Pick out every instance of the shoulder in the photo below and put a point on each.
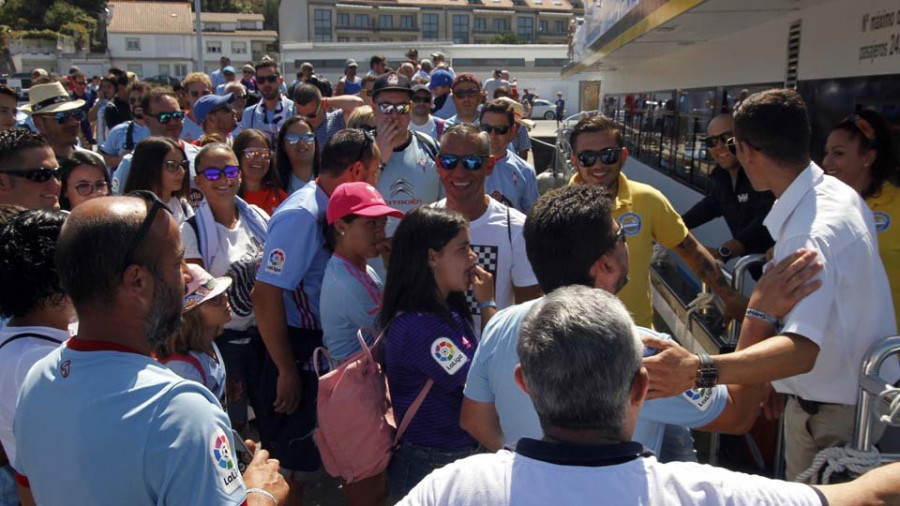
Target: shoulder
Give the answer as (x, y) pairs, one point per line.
(505, 324)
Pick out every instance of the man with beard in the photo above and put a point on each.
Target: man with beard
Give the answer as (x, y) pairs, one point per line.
(122, 139)
(216, 115)
(98, 420)
(274, 108)
(58, 118)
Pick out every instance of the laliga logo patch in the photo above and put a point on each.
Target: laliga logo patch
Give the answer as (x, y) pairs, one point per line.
(447, 355)
(228, 473)
(882, 221)
(631, 222)
(699, 397)
(275, 262)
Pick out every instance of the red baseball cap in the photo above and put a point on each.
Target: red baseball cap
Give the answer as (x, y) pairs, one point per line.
(466, 77)
(361, 199)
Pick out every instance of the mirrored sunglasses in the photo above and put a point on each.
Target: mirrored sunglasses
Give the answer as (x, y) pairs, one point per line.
(388, 108)
(293, 139)
(607, 156)
(165, 117)
(469, 162)
(62, 117)
(215, 173)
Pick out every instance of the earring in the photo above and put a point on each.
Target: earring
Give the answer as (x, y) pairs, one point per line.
(342, 233)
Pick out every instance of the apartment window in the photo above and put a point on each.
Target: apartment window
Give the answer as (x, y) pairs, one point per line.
(132, 44)
(180, 69)
(561, 27)
(343, 39)
(343, 19)
(407, 22)
(544, 26)
(460, 29)
(526, 30)
(362, 20)
(480, 24)
(500, 25)
(238, 48)
(385, 21)
(213, 47)
(430, 28)
(322, 24)
(212, 27)
(164, 69)
(247, 25)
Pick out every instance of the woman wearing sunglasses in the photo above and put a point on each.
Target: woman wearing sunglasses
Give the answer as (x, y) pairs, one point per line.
(260, 185)
(82, 178)
(295, 154)
(429, 339)
(227, 237)
(160, 165)
(859, 151)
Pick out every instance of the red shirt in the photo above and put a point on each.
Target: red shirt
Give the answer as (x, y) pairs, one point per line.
(267, 198)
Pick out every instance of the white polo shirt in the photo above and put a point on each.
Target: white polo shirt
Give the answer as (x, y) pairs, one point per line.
(542, 472)
(853, 308)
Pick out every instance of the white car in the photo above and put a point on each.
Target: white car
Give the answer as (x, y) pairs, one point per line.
(543, 109)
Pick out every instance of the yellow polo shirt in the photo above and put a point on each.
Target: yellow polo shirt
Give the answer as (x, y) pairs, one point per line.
(647, 217)
(885, 207)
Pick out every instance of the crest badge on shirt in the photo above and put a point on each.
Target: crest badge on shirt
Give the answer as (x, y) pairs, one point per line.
(220, 452)
(699, 397)
(275, 262)
(631, 222)
(882, 221)
(448, 355)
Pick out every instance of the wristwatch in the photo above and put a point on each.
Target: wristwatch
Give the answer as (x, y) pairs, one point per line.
(708, 373)
(725, 252)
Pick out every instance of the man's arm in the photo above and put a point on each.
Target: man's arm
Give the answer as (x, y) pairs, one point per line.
(878, 486)
(705, 267)
(481, 421)
(346, 103)
(707, 209)
(272, 321)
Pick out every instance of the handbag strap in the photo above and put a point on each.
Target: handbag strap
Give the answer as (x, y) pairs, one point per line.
(413, 408)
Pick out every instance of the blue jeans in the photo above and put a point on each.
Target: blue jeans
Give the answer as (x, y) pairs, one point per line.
(411, 463)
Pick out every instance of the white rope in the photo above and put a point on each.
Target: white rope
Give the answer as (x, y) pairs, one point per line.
(836, 460)
(891, 396)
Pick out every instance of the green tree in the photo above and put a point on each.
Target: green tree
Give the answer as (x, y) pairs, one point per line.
(506, 38)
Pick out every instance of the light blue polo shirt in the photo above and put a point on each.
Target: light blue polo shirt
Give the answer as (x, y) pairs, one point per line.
(513, 183)
(351, 300)
(118, 136)
(491, 380)
(295, 257)
(97, 424)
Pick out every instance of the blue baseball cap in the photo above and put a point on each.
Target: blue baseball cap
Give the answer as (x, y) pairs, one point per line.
(440, 77)
(229, 69)
(207, 103)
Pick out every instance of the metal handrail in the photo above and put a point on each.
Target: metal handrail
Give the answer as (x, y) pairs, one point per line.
(870, 386)
(737, 283)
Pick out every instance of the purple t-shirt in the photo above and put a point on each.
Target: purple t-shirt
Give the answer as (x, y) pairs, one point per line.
(421, 346)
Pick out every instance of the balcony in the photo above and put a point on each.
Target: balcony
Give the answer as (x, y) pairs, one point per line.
(413, 28)
(490, 30)
(353, 27)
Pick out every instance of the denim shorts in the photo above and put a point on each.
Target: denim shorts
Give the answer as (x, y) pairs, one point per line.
(411, 463)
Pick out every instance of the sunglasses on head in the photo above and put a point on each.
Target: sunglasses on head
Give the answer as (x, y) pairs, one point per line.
(84, 188)
(388, 108)
(203, 93)
(173, 166)
(62, 117)
(469, 162)
(39, 175)
(293, 139)
(466, 93)
(495, 129)
(268, 79)
(607, 156)
(215, 173)
(620, 234)
(165, 117)
(712, 140)
(154, 206)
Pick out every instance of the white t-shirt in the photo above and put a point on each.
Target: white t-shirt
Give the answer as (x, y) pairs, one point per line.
(16, 358)
(512, 478)
(181, 210)
(410, 180)
(496, 237)
(428, 128)
(238, 258)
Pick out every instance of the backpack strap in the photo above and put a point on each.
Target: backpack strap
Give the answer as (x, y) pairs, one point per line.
(427, 143)
(129, 137)
(190, 360)
(439, 125)
(29, 334)
(508, 226)
(413, 408)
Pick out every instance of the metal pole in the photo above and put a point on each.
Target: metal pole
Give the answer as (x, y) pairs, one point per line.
(199, 30)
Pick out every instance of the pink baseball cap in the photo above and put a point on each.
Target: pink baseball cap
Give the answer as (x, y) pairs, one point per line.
(202, 287)
(361, 199)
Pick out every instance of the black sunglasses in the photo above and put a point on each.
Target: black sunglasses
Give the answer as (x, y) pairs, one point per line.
(84, 188)
(165, 117)
(466, 93)
(39, 175)
(469, 162)
(712, 140)
(215, 173)
(203, 93)
(268, 79)
(155, 205)
(419, 99)
(62, 117)
(607, 156)
(732, 145)
(368, 140)
(499, 130)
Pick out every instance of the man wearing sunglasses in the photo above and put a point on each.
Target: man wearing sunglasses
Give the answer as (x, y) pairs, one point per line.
(286, 302)
(80, 91)
(327, 115)
(495, 230)
(730, 195)
(122, 139)
(29, 172)
(274, 108)
(214, 112)
(420, 118)
(513, 182)
(58, 118)
(467, 96)
(599, 153)
(196, 84)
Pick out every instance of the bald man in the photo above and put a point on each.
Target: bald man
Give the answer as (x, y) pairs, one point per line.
(730, 195)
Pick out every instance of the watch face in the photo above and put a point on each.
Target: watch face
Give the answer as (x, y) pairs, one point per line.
(725, 251)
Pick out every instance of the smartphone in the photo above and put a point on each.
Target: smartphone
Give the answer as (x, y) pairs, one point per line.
(243, 454)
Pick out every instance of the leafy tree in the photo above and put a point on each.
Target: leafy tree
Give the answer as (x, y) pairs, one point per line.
(506, 38)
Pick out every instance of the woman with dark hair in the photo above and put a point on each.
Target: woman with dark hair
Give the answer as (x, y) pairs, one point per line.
(160, 165)
(83, 178)
(260, 185)
(429, 339)
(227, 237)
(860, 152)
(295, 154)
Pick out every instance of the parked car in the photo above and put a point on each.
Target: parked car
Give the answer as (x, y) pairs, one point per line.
(21, 82)
(161, 79)
(543, 109)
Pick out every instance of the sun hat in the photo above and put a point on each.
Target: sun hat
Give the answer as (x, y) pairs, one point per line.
(50, 98)
(518, 112)
(361, 199)
(202, 287)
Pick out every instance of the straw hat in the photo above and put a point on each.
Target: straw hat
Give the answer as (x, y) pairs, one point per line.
(50, 98)
(518, 111)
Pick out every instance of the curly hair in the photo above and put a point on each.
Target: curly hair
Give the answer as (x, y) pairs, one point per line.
(27, 249)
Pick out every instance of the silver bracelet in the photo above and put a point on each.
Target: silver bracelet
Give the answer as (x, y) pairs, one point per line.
(263, 492)
(753, 313)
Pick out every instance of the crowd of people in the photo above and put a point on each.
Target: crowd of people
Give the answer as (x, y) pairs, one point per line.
(164, 295)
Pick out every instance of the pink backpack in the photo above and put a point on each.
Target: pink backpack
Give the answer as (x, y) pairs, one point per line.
(356, 429)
